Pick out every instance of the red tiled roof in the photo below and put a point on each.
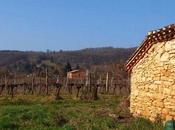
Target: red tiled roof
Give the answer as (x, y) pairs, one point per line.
(161, 35)
(74, 71)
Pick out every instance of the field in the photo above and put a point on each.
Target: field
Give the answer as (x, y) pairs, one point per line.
(29, 112)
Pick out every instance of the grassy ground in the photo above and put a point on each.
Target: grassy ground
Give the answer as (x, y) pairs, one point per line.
(45, 113)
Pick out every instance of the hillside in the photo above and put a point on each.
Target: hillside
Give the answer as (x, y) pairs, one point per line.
(84, 57)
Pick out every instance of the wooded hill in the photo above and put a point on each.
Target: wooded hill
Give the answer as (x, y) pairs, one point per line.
(24, 60)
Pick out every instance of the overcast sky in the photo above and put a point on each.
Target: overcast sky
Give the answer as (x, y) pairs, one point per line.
(75, 24)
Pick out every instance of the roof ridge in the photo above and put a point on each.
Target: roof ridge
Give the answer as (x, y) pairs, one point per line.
(160, 35)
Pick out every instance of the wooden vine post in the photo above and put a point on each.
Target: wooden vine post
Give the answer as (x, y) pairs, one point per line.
(87, 78)
(99, 82)
(66, 84)
(112, 83)
(107, 82)
(5, 80)
(47, 88)
(33, 80)
(12, 86)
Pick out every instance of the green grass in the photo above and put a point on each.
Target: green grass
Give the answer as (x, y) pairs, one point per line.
(44, 113)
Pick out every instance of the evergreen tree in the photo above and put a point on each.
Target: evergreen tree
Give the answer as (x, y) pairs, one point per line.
(77, 67)
(67, 67)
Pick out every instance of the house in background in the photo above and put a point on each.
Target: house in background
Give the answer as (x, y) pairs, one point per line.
(77, 74)
(152, 73)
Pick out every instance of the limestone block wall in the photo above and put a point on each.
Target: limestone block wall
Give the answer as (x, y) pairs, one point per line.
(153, 83)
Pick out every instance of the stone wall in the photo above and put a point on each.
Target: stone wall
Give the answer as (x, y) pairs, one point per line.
(153, 83)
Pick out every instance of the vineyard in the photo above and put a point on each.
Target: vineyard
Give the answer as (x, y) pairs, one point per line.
(97, 102)
(45, 95)
(45, 84)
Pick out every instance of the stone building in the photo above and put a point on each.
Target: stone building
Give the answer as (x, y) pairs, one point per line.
(77, 74)
(152, 76)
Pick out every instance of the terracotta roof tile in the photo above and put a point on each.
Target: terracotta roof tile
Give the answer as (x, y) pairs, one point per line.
(161, 35)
